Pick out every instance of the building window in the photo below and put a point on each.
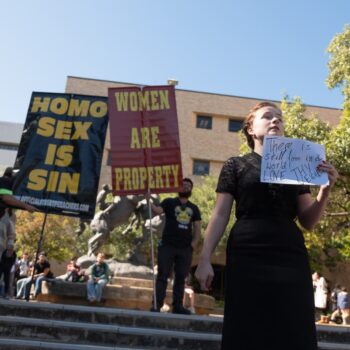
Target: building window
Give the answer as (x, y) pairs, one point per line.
(201, 167)
(204, 122)
(235, 125)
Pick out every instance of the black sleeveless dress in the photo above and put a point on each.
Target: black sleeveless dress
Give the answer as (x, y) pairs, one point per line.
(269, 294)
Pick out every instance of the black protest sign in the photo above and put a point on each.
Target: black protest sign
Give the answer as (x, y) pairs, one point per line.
(59, 158)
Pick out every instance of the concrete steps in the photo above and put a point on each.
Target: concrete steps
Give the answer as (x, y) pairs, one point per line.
(14, 344)
(110, 316)
(47, 326)
(104, 334)
(38, 325)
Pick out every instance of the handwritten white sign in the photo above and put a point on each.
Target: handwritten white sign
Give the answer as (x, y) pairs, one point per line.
(292, 161)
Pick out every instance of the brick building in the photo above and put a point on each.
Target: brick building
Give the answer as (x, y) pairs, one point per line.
(208, 124)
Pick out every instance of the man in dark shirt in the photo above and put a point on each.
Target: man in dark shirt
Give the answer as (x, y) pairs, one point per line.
(42, 273)
(181, 235)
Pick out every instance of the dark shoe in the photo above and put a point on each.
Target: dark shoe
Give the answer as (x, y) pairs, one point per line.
(181, 310)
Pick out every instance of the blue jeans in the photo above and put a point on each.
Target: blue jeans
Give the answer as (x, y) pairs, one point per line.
(23, 287)
(38, 282)
(24, 284)
(94, 289)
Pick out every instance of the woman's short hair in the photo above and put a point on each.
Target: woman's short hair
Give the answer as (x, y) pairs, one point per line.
(250, 117)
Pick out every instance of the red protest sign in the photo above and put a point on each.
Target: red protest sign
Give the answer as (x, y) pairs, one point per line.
(145, 145)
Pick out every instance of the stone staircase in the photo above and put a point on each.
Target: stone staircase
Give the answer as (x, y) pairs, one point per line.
(39, 325)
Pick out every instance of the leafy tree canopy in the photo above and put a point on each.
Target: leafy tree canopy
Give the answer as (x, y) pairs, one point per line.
(59, 241)
(339, 64)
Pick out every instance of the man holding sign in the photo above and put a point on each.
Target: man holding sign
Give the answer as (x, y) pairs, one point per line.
(180, 236)
(267, 262)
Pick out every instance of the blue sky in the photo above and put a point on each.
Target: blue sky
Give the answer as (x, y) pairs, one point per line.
(251, 48)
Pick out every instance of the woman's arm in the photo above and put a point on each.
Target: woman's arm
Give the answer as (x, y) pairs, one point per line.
(213, 233)
(310, 211)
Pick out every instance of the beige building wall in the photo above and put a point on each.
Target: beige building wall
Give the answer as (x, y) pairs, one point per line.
(214, 145)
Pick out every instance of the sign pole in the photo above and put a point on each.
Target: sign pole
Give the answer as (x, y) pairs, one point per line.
(152, 249)
(27, 293)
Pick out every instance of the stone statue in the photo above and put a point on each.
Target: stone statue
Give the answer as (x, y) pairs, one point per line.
(130, 209)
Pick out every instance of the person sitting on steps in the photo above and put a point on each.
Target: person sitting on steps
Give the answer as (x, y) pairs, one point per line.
(98, 279)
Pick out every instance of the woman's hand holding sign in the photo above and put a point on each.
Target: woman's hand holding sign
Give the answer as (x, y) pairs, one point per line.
(311, 211)
(331, 171)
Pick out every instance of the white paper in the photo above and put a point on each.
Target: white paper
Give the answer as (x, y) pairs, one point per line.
(292, 161)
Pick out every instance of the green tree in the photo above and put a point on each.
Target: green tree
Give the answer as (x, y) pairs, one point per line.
(59, 239)
(339, 77)
(329, 242)
(298, 126)
(339, 64)
(61, 242)
(338, 145)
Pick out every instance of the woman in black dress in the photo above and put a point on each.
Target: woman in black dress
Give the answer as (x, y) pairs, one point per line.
(269, 294)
